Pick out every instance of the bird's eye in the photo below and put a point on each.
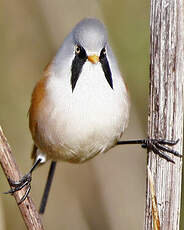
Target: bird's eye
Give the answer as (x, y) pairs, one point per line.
(80, 52)
(77, 49)
(103, 53)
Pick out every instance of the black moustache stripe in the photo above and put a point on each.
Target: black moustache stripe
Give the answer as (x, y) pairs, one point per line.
(77, 65)
(106, 69)
(79, 61)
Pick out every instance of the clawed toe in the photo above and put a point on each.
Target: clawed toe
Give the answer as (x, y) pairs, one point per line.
(25, 181)
(166, 142)
(26, 194)
(158, 147)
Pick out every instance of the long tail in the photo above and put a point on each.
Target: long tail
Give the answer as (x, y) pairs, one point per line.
(47, 187)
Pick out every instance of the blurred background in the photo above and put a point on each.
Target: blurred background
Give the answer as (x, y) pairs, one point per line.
(107, 192)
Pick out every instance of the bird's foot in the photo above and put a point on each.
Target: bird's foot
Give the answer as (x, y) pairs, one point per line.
(158, 147)
(25, 181)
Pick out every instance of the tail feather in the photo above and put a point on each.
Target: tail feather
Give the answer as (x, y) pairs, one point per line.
(47, 187)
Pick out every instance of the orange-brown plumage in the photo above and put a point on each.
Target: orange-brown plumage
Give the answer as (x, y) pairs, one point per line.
(38, 96)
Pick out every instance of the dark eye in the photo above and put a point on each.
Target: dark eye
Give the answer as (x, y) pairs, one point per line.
(77, 49)
(103, 53)
(80, 52)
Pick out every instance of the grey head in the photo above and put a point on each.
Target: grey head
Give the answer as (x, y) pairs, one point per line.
(90, 33)
(88, 41)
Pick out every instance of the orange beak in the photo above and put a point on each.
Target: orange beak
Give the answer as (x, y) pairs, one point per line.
(93, 59)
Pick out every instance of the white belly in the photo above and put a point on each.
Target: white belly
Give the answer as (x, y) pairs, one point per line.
(88, 120)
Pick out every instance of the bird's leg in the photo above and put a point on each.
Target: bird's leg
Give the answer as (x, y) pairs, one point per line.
(24, 181)
(157, 146)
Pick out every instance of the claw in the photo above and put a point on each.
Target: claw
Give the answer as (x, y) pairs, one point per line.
(166, 142)
(157, 146)
(17, 188)
(18, 185)
(25, 195)
(157, 151)
(174, 152)
(25, 178)
(25, 181)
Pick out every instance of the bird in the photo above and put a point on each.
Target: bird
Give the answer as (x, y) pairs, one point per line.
(80, 107)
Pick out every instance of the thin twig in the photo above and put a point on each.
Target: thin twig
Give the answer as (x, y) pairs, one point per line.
(29, 213)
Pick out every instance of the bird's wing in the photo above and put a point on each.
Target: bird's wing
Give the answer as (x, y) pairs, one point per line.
(38, 95)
